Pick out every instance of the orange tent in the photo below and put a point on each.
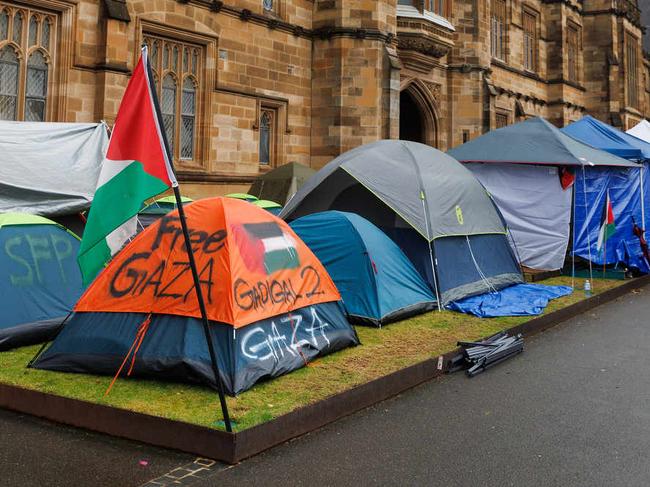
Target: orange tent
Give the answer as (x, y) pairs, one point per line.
(257, 277)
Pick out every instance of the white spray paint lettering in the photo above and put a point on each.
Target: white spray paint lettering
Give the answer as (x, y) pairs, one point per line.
(258, 344)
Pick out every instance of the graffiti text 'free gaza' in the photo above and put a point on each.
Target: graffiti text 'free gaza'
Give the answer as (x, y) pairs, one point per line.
(169, 278)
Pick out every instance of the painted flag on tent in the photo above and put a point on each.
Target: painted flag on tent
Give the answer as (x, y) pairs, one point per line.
(136, 168)
(265, 248)
(607, 224)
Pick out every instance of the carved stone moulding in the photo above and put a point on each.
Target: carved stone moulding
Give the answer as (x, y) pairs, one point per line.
(420, 53)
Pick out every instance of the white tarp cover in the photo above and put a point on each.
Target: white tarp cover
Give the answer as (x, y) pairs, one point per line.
(50, 169)
(641, 131)
(535, 207)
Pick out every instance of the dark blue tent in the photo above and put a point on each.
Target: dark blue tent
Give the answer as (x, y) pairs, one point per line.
(605, 137)
(40, 280)
(432, 207)
(376, 280)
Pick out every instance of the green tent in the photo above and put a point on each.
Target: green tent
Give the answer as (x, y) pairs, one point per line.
(281, 183)
(159, 207)
(243, 196)
(270, 206)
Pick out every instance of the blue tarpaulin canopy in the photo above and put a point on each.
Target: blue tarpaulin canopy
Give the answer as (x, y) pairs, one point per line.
(624, 187)
(591, 189)
(605, 137)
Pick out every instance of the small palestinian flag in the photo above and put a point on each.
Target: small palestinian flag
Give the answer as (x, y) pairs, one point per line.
(607, 225)
(266, 248)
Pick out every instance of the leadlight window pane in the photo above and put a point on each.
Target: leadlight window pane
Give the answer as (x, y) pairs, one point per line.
(33, 30)
(4, 25)
(175, 63)
(154, 55)
(36, 88)
(45, 34)
(18, 28)
(187, 119)
(265, 138)
(268, 4)
(195, 61)
(166, 57)
(168, 108)
(186, 60)
(8, 83)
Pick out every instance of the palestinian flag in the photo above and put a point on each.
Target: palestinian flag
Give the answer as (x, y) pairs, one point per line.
(265, 248)
(136, 168)
(607, 225)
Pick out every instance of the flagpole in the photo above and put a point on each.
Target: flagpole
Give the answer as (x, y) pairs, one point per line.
(188, 248)
(204, 314)
(604, 258)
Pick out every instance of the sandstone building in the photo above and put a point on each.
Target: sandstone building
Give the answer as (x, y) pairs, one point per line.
(246, 85)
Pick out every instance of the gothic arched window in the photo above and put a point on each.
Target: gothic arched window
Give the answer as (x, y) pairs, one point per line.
(188, 112)
(36, 87)
(176, 73)
(9, 67)
(267, 136)
(168, 108)
(26, 57)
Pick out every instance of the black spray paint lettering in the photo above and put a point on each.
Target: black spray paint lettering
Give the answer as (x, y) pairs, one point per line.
(200, 240)
(261, 293)
(259, 344)
(139, 280)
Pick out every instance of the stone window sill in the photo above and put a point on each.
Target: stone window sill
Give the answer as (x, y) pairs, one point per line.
(413, 13)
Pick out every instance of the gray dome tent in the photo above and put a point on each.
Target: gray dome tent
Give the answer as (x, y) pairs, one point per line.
(429, 204)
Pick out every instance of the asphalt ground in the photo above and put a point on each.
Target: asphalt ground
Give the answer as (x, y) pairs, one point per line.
(572, 410)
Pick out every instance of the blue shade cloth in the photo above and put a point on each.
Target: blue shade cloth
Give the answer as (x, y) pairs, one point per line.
(517, 300)
(40, 281)
(591, 188)
(376, 280)
(605, 137)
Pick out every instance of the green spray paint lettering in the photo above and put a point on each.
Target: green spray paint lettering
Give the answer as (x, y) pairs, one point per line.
(459, 215)
(40, 249)
(19, 280)
(62, 251)
(31, 251)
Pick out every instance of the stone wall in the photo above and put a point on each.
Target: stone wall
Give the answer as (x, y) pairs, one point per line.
(331, 72)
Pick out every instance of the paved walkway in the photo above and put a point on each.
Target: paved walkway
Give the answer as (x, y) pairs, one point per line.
(573, 409)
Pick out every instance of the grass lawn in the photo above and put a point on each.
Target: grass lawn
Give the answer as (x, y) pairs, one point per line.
(382, 351)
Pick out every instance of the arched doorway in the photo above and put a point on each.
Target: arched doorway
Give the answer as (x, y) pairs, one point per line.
(411, 123)
(418, 120)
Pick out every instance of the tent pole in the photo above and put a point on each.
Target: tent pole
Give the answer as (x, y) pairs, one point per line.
(573, 239)
(643, 225)
(204, 314)
(584, 190)
(188, 247)
(435, 279)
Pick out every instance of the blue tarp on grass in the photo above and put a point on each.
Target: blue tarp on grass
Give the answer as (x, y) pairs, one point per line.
(517, 300)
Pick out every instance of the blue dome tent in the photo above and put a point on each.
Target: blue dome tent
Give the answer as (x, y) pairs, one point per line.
(376, 280)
